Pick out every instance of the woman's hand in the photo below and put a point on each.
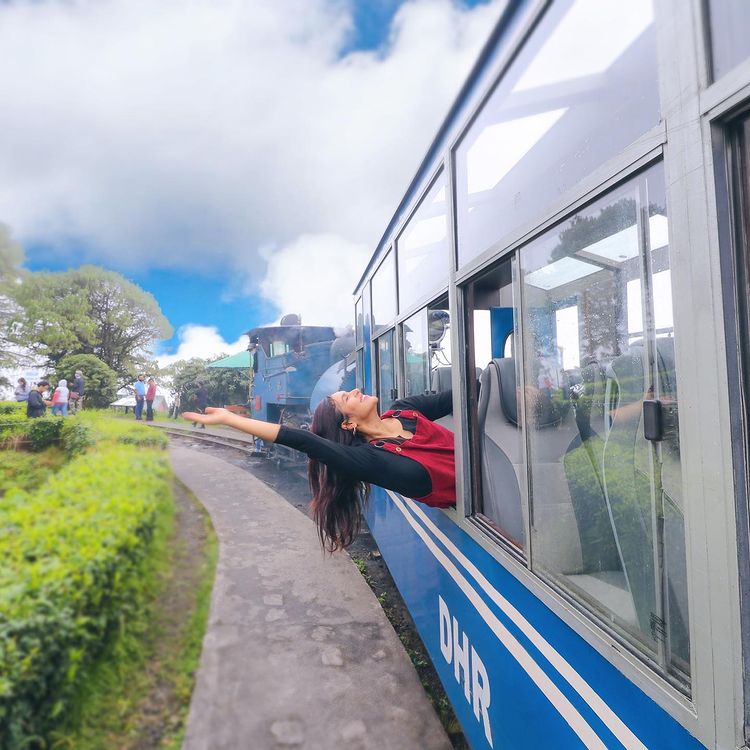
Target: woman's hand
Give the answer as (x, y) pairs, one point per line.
(213, 415)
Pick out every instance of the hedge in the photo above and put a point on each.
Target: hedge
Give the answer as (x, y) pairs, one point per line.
(69, 576)
(12, 407)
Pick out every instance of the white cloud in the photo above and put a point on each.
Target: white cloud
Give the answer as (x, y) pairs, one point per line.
(193, 133)
(315, 276)
(200, 341)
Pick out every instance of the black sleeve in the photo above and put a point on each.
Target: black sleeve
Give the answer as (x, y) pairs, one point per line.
(363, 461)
(432, 405)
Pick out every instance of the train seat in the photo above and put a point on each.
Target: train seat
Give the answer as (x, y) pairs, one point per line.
(501, 448)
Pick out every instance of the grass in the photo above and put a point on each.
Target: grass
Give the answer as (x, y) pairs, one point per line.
(155, 652)
(186, 664)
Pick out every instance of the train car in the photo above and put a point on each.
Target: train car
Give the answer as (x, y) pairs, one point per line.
(577, 237)
(288, 362)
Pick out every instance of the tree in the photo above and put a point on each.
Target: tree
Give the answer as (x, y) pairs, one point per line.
(100, 380)
(225, 386)
(87, 310)
(11, 257)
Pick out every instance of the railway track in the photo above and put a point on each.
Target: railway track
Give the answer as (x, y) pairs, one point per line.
(279, 455)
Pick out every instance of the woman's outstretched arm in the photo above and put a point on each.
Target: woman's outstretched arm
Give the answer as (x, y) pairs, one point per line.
(256, 427)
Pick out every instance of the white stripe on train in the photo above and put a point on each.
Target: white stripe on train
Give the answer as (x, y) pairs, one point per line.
(610, 719)
(550, 691)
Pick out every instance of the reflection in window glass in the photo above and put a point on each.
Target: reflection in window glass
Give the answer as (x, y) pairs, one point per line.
(593, 476)
(497, 426)
(730, 40)
(386, 370)
(360, 376)
(416, 355)
(358, 323)
(426, 350)
(423, 247)
(583, 87)
(383, 287)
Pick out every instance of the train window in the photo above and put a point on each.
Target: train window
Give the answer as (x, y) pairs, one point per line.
(496, 428)
(423, 251)
(360, 372)
(730, 42)
(386, 370)
(425, 339)
(383, 288)
(583, 87)
(606, 503)
(359, 323)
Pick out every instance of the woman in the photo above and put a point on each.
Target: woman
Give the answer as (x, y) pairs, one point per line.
(351, 447)
(22, 390)
(60, 399)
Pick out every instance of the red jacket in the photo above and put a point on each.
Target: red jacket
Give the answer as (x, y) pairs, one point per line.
(151, 392)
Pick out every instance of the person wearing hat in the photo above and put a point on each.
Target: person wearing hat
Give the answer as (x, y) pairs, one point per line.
(76, 392)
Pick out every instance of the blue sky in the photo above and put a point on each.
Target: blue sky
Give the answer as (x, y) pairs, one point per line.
(223, 155)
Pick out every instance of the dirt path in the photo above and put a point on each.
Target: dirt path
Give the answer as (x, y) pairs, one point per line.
(162, 710)
(292, 485)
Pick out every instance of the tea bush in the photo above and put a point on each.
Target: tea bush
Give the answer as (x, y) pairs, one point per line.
(43, 432)
(69, 576)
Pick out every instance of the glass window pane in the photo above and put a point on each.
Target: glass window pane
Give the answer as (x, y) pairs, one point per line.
(425, 338)
(730, 40)
(597, 486)
(497, 426)
(416, 355)
(383, 285)
(422, 248)
(386, 370)
(583, 87)
(360, 377)
(358, 323)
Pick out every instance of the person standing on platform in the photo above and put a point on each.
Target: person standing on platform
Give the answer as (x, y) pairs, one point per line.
(22, 390)
(140, 396)
(36, 406)
(60, 399)
(150, 396)
(76, 392)
(175, 411)
(201, 400)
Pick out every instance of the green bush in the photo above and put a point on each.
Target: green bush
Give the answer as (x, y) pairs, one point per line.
(75, 437)
(44, 432)
(106, 428)
(26, 471)
(12, 425)
(12, 407)
(69, 576)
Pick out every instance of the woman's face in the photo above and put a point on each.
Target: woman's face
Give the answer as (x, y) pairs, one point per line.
(354, 404)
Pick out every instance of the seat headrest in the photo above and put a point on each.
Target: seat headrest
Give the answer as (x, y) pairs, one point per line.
(506, 375)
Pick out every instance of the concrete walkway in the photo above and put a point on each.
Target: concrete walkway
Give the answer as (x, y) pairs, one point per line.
(298, 652)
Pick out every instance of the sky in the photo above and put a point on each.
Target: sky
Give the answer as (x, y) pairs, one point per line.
(239, 159)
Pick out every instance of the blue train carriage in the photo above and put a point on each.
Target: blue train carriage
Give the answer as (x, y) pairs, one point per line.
(576, 236)
(289, 361)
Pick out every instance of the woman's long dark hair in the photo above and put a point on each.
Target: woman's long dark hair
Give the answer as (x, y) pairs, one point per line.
(337, 499)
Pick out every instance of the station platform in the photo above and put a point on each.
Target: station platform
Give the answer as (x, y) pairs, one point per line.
(298, 652)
